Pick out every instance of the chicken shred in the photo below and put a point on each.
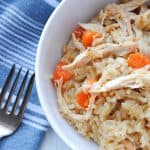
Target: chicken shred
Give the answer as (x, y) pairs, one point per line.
(143, 21)
(101, 51)
(133, 81)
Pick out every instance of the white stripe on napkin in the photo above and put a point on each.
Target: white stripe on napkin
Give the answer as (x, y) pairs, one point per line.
(21, 29)
(34, 125)
(11, 55)
(36, 119)
(9, 63)
(22, 16)
(53, 3)
(24, 49)
(35, 108)
(21, 19)
(14, 35)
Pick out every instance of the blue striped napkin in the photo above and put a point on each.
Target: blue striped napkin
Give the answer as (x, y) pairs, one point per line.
(21, 24)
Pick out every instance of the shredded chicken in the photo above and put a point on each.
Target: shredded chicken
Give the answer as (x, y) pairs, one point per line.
(129, 145)
(110, 49)
(119, 36)
(92, 26)
(133, 81)
(101, 51)
(143, 21)
(133, 4)
(143, 41)
(144, 8)
(81, 59)
(112, 27)
(142, 70)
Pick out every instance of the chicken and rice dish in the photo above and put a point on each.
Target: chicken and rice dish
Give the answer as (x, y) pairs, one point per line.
(103, 78)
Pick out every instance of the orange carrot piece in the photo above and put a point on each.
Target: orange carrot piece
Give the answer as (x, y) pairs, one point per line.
(61, 73)
(83, 99)
(88, 37)
(78, 32)
(138, 60)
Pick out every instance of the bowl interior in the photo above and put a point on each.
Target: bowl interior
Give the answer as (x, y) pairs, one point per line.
(55, 34)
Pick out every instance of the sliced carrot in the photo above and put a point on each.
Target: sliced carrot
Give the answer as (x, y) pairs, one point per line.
(61, 73)
(90, 81)
(88, 37)
(79, 32)
(83, 99)
(138, 60)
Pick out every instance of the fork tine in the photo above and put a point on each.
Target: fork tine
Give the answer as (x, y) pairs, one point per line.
(27, 94)
(12, 91)
(20, 93)
(7, 83)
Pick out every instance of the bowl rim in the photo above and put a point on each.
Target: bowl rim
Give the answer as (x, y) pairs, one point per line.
(37, 79)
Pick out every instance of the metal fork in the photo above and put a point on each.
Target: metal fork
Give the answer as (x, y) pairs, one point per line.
(10, 119)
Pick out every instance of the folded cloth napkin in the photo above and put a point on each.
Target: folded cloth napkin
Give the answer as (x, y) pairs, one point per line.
(21, 24)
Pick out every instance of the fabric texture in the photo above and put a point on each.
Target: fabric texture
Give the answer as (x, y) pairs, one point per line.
(21, 24)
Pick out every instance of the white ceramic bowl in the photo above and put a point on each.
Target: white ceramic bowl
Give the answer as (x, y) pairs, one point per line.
(55, 34)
